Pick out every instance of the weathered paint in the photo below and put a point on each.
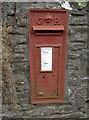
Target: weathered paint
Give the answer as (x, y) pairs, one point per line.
(48, 28)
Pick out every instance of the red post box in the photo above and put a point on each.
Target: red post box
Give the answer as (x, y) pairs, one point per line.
(47, 41)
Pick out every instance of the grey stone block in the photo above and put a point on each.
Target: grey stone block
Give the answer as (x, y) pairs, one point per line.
(20, 31)
(10, 8)
(20, 49)
(19, 58)
(18, 39)
(11, 21)
(79, 20)
(20, 66)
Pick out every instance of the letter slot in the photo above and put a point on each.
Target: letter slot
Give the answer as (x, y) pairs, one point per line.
(48, 30)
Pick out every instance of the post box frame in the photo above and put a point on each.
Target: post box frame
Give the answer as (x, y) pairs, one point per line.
(34, 45)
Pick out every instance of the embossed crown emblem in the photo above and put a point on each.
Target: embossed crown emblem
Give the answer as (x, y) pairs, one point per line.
(48, 19)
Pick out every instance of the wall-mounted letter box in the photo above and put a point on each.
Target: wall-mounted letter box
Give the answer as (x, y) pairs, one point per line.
(47, 41)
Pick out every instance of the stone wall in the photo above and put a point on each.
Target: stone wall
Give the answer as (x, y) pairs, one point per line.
(16, 84)
(0, 64)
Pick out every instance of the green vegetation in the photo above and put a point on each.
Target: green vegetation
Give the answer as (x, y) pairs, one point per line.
(82, 4)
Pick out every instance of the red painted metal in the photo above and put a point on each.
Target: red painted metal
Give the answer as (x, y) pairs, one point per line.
(52, 28)
(48, 28)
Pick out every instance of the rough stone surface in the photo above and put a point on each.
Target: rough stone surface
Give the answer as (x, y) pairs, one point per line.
(0, 63)
(15, 16)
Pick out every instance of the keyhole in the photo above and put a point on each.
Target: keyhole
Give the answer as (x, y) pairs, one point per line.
(43, 77)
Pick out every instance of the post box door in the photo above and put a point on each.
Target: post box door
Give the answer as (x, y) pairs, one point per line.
(47, 71)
